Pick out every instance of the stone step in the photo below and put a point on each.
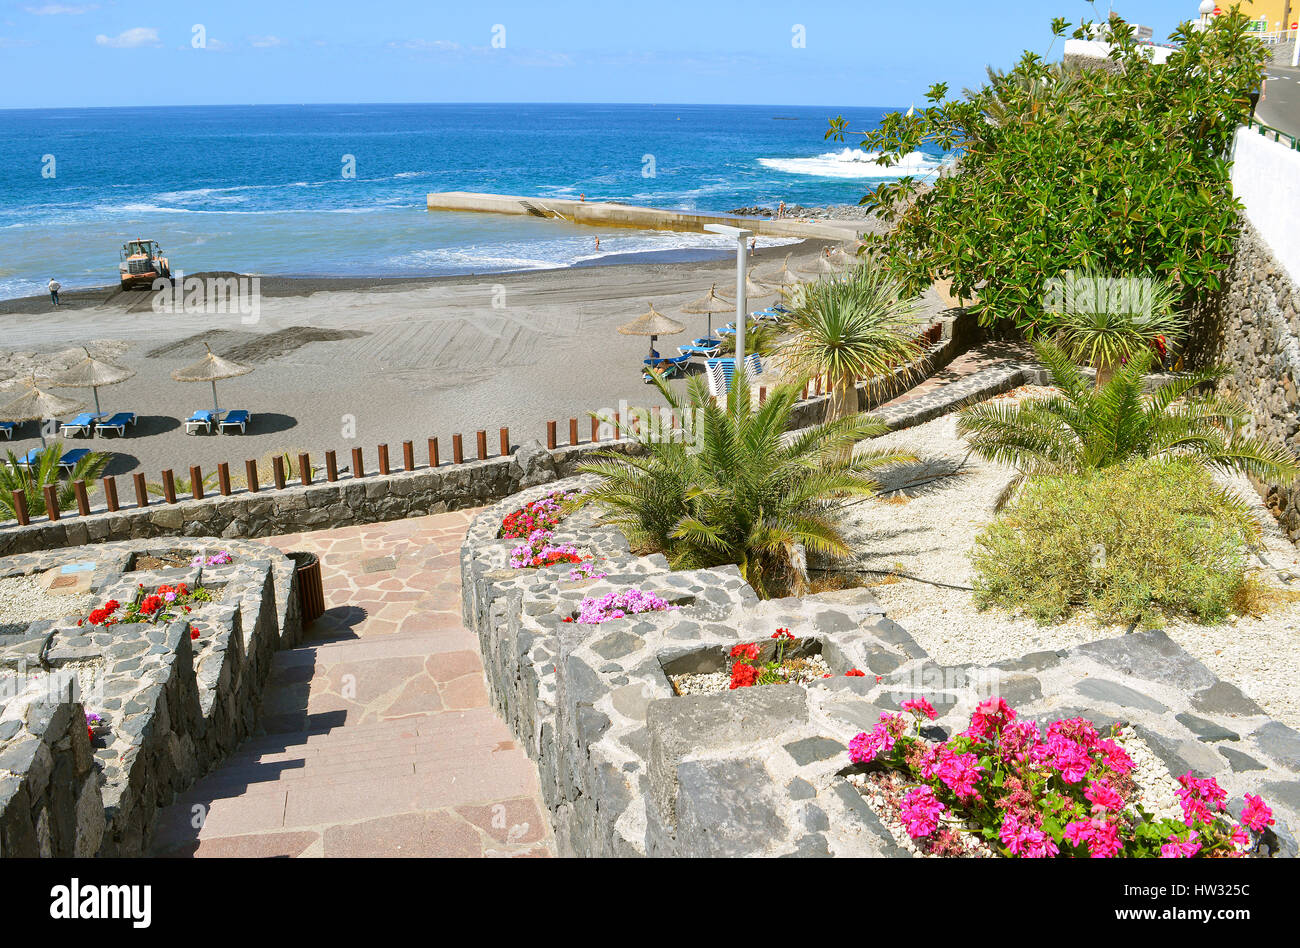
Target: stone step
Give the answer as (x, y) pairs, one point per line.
(482, 721)
(379, 746)
(396, 645)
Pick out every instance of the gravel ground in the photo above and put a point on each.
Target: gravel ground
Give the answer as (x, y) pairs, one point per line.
(813, 668)
(928, 531)
(23, 601)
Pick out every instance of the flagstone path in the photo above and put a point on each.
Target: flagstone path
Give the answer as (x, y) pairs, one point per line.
(379, 739)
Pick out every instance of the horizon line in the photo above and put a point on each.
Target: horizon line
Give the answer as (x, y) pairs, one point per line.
(295, 105)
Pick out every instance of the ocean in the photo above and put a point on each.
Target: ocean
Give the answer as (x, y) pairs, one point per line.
(339, 190)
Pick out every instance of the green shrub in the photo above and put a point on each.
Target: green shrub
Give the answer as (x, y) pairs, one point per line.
(1141, 541)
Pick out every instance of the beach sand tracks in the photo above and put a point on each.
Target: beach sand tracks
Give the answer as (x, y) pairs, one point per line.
(251, 348)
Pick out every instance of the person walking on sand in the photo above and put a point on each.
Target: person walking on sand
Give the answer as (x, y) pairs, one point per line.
(597, 245)
(780, 210)
(54, 291)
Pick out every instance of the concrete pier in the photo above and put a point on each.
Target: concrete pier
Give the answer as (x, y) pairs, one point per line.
(605, 214)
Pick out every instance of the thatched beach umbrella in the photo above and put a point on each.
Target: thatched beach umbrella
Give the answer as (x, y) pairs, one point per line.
(710, 303)
(36, 405)
(784, 279)
(823, 265)
(91, 373)
(211, 368)
(755, 290)
(653, 324)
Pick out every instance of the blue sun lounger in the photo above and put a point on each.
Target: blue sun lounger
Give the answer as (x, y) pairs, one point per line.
(7, 429)
(236, 419)
(69, 460)
(31, 457)
(669, 367)
(117, 423)
(83, 423)
(202, 419)
(708, 348)
(720, 372)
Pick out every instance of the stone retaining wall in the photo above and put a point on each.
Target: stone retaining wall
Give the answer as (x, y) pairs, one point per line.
(629, 769)
(175, 704)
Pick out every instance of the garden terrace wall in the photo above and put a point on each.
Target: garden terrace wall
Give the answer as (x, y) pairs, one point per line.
(175, 704)
(629, 769)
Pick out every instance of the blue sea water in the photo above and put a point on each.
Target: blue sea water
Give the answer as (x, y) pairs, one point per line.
(262, 189)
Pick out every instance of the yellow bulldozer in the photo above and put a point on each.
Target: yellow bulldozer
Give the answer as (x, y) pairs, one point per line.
(142, 263)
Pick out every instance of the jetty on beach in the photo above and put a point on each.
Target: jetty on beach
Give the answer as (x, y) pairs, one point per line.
(607, 214)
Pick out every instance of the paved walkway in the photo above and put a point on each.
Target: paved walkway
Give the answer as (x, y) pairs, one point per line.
(378, 736)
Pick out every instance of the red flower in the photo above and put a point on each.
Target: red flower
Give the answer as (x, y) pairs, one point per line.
(854, 673)
(194, 633)
(743, 676)
(112, 605)
(97, 617)
(782, 634)
(90, 733)
(150, 605)
(567, 619)
(749, 651)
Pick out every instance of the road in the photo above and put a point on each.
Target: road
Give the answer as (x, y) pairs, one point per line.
(1280, 106)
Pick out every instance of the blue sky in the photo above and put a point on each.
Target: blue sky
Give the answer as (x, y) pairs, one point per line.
(77, 53)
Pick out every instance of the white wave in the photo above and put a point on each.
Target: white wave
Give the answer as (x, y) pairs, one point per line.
(854, 163)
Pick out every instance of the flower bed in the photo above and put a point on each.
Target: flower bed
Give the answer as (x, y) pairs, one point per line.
(538, 551)
(1003, 788)
(152, 607)
(618, 605)
(542, 514)
(177, 559)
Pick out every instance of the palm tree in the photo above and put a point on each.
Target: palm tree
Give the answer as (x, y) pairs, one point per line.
(852, 327)
(1103, 332)
(1085, 428)
(32, 481)
(742, 490)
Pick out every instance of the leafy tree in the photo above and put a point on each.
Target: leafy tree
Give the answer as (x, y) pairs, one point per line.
(1086, 429)
(32, 481)
(851, 327)
(1122, 170)
(744, 492)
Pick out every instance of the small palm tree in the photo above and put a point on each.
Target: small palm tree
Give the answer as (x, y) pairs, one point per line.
(850, 328)
(743, 491)
(1085, 428)
(32, 481)
(1103, 332)
(760, 339)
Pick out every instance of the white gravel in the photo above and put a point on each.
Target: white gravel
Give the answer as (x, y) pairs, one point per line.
(23, 601)
(814, 669)
(929, 530)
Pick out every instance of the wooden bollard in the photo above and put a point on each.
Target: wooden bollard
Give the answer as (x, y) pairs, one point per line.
(223, 479)
(408, 456)
(595, 429)
(573, 431)
(433, 452)
(505, 442)
(141, 491)
(383, 459)
(250, 475)
(169, 486)
(20, 508)
(762, 394)
(550, 435)
(358, 463)
(617, 428)
(304, 469)
(457, 449)
(110, 494)
(331, 466)
(196, 482)
(277, 471)
(83, 501)
(805, 391)
(480, 440)
(51, 501)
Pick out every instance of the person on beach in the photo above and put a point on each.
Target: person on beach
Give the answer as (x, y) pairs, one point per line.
(780, 210)
(55, 286)
(753, 244)
(583, 197)
(597, 245)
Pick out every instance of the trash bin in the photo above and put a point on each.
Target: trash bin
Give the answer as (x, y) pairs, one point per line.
(311, 588)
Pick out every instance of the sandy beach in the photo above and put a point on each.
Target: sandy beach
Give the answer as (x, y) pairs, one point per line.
(342, 363)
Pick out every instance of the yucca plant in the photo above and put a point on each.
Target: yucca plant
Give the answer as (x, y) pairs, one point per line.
(744, 491)
(850, 328)
(32, 481)
(1098, 328)
(1085, 428)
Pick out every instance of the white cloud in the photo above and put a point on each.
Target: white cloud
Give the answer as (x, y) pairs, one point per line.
(265, 42)
(59, 9)
(424, 45)
(134, 38)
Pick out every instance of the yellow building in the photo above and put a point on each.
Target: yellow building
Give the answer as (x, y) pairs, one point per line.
(1279, 14)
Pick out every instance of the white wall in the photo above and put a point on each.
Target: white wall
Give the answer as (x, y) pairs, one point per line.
(1266, 178)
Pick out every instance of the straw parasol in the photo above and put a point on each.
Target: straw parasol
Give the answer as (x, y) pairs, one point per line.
(211, 368)
(653, 324)
(822, 265)
(710, 303)
(784, 280)
(91, 373)
(36, 405)
(754, 290)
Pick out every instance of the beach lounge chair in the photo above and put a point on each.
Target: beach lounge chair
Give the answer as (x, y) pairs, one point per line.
(7, 429)
(669, 367)
(202, 419)
(720, 372)
(117, 423)
(69, 460)
(235, 419)
(31, 457)
(707, 348)
(83, 424)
